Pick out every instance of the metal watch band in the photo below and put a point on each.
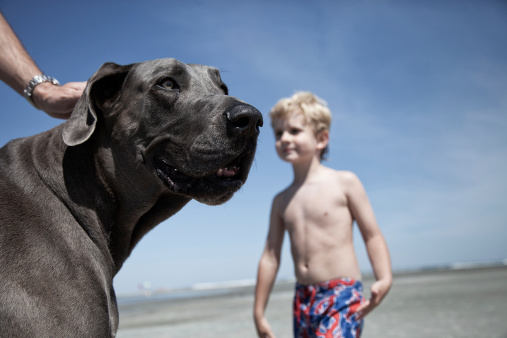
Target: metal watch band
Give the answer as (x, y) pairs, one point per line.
(37, 79)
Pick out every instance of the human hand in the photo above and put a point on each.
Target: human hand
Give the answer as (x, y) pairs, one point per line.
(263, 328)
(57, 101)
(379, 290)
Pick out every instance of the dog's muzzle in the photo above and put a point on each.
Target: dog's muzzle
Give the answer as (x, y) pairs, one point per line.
(181, 183)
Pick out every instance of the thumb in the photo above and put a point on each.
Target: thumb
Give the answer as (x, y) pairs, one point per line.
(363, 306)
(377, 293)
(374, 294)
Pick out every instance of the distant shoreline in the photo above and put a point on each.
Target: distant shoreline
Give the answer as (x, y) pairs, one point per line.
(204, 290)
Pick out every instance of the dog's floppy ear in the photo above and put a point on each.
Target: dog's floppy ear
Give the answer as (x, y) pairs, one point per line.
(102, 89)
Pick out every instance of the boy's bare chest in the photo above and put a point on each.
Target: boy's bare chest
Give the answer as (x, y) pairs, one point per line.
(318, 205)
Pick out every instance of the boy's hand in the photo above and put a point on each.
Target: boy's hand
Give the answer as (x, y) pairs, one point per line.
(378, 291)
(263, 328)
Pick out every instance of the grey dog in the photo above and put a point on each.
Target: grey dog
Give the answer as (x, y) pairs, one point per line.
(143, 140)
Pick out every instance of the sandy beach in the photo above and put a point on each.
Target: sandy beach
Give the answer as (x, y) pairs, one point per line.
(442, 303)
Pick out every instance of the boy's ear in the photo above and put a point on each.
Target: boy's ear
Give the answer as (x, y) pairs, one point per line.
(322, 139)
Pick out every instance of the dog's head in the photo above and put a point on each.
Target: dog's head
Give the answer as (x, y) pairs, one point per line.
(173, 122)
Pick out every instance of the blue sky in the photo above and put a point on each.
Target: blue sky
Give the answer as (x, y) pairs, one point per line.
(418, 95)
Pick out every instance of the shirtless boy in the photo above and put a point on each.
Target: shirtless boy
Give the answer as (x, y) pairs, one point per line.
(318, 211)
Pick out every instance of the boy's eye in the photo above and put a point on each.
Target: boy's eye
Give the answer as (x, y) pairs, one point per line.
(295, 131)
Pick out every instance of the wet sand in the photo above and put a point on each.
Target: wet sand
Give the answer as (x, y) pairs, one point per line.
(449, 303)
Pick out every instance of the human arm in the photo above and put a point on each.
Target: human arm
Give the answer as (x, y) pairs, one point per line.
(376, 246)
(17, 68)
(266, 275)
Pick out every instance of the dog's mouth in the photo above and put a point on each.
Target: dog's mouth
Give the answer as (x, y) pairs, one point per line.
(227, 178)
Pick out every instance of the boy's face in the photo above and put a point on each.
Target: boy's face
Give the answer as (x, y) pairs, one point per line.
(296, 140)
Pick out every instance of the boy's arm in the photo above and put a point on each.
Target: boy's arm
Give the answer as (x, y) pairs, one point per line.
(268, 268)
(375, 243)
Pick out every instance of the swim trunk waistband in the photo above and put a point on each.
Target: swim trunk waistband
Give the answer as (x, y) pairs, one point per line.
(330, 284)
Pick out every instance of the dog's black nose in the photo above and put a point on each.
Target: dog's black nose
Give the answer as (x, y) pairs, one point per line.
(245, 120)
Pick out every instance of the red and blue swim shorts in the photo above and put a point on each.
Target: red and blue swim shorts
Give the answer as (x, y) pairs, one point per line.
(328, 309)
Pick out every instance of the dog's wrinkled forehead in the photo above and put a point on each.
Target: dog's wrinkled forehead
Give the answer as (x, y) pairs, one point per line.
(205, 77)
(208, 76)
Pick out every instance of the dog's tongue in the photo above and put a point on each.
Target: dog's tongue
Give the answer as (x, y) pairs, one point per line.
(227, 172)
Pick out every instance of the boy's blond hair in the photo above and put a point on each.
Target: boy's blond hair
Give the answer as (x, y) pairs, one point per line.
(313, 108)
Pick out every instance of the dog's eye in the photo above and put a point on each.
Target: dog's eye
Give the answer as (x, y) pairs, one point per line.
(168, 83)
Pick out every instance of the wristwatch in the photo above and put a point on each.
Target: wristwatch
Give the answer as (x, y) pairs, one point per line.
(37, 79)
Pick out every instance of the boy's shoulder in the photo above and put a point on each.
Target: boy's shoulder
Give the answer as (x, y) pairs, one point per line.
(339, 176)
(339, 181)
(283, 194)
(343, 180)
(348, 181)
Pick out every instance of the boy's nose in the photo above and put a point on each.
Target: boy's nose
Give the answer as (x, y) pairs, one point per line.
(285, 137)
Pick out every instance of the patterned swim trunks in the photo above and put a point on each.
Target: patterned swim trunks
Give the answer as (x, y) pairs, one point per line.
(328, 309)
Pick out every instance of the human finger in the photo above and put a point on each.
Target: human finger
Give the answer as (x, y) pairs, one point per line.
(58, 101)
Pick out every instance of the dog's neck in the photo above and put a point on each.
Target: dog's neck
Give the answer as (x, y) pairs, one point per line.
(114, 216)
(130, 227)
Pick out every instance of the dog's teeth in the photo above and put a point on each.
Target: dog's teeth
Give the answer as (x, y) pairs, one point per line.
(227, 172)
